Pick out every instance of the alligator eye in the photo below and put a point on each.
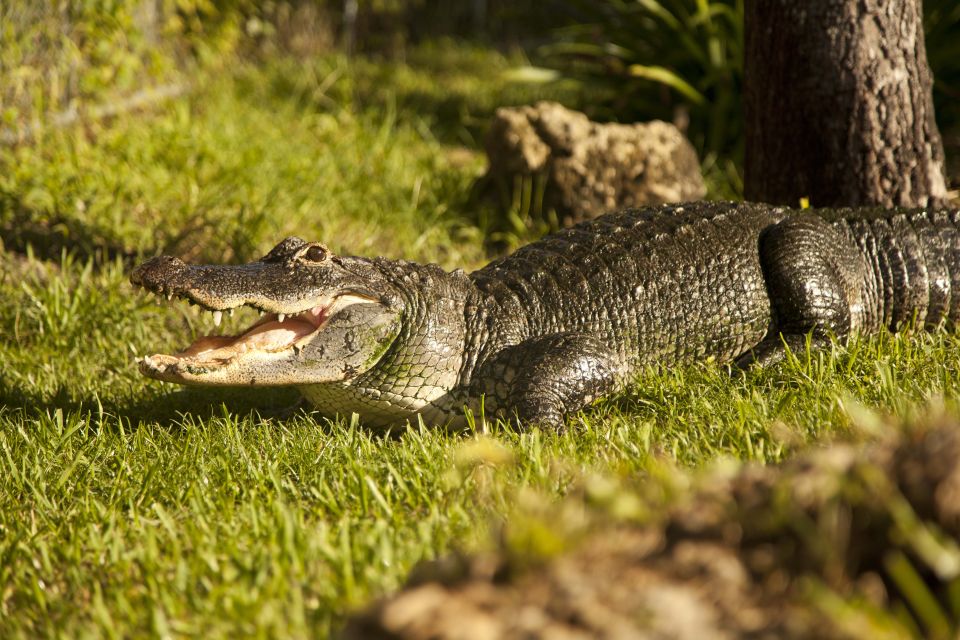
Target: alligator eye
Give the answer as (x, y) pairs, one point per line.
(315, 253)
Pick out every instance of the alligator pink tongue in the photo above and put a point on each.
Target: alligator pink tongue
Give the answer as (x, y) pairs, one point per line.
(272, 335)
(205, 344)
(275, 334)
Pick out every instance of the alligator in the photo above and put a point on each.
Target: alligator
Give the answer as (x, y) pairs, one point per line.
(542, 333)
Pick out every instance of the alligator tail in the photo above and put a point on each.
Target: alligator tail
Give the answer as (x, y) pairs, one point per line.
(910, 269)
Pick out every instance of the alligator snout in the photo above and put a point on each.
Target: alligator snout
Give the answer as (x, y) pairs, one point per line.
(281, 282)
(156, 273)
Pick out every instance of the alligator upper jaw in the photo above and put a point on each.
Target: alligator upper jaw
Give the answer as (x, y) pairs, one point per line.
(266, 287)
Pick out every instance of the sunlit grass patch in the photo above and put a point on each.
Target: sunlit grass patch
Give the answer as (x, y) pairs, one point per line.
(131, 507)
(347, 152)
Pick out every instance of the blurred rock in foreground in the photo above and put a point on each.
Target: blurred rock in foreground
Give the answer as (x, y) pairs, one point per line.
(849, 542)
(585, 168)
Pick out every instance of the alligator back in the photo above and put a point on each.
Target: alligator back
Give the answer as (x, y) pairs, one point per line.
(663, 284)
(710, 280)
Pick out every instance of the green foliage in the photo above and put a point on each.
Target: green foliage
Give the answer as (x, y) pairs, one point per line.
(130, 507)
(210, 28)
(682, 60)
(448, 90)
(662, 59)
(57, 57)
(183, 183)
(54, 54)
(285, 148)
(942, 23)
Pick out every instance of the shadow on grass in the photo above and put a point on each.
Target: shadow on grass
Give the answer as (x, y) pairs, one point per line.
(204, 403)
(172, 408)
(23, 230)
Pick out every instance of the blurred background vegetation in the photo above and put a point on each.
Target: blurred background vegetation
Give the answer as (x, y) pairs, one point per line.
(438, 67)
(677, 60)
(209, 129)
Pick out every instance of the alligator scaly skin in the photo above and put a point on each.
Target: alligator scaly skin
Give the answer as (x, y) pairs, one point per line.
(579, 313)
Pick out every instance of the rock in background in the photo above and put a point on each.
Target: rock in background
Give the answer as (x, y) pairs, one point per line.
(588, 168)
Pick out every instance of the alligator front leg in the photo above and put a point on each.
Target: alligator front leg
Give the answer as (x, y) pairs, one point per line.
(541, 380)
(815, 279)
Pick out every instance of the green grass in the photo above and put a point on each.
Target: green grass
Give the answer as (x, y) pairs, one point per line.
(370, 157)
(129, 506)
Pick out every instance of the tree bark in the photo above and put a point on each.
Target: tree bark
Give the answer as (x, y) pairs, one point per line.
(838, 104)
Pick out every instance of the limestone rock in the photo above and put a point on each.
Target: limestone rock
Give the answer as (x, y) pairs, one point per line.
(589, 168)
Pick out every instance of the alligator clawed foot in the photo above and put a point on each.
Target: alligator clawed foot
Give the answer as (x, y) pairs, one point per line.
(773, 350)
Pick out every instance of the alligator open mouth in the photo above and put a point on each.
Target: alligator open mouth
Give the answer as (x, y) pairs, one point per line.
(322, 321)
(274, 333)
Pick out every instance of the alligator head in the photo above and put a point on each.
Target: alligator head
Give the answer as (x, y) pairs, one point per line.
(327, 318)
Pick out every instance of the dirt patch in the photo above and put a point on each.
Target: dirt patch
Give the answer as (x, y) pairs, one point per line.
(850, 541)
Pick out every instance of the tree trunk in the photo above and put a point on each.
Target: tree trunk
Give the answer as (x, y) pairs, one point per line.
(838, 104)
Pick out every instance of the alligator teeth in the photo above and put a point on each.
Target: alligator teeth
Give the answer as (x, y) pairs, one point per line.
(281, 316)
(217, 317)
